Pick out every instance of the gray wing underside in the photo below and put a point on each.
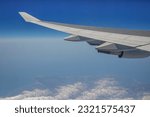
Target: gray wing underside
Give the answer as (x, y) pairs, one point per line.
(134, 39)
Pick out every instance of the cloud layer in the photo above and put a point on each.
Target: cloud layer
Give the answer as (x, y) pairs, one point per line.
(106, 88)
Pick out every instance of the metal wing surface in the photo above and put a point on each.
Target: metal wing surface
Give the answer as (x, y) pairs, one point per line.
(121, 42)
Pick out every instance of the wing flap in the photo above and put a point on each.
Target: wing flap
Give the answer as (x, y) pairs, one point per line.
(146, 48)
(107, 46)
(74, 38)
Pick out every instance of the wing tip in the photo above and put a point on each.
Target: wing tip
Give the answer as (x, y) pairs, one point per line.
(27, 17)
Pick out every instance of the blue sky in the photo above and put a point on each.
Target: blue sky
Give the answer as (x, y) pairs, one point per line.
(105, 13)
(35, 58)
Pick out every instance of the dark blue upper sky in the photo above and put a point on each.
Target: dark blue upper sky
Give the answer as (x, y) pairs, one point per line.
(132, 14)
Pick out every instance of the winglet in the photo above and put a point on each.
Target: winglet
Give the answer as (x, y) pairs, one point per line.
(28, 18)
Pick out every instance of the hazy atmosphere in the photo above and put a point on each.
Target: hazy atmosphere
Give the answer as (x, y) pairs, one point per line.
(37, 63)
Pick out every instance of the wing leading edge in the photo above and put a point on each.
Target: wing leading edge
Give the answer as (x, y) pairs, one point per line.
(124, 43)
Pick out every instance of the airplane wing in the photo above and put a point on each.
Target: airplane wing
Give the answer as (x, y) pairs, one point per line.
(121, 42)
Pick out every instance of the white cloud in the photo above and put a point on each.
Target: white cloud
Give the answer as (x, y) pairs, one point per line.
(146, 96)
(62, 92)
(106, 88)
(29, 94)
(66, 92)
